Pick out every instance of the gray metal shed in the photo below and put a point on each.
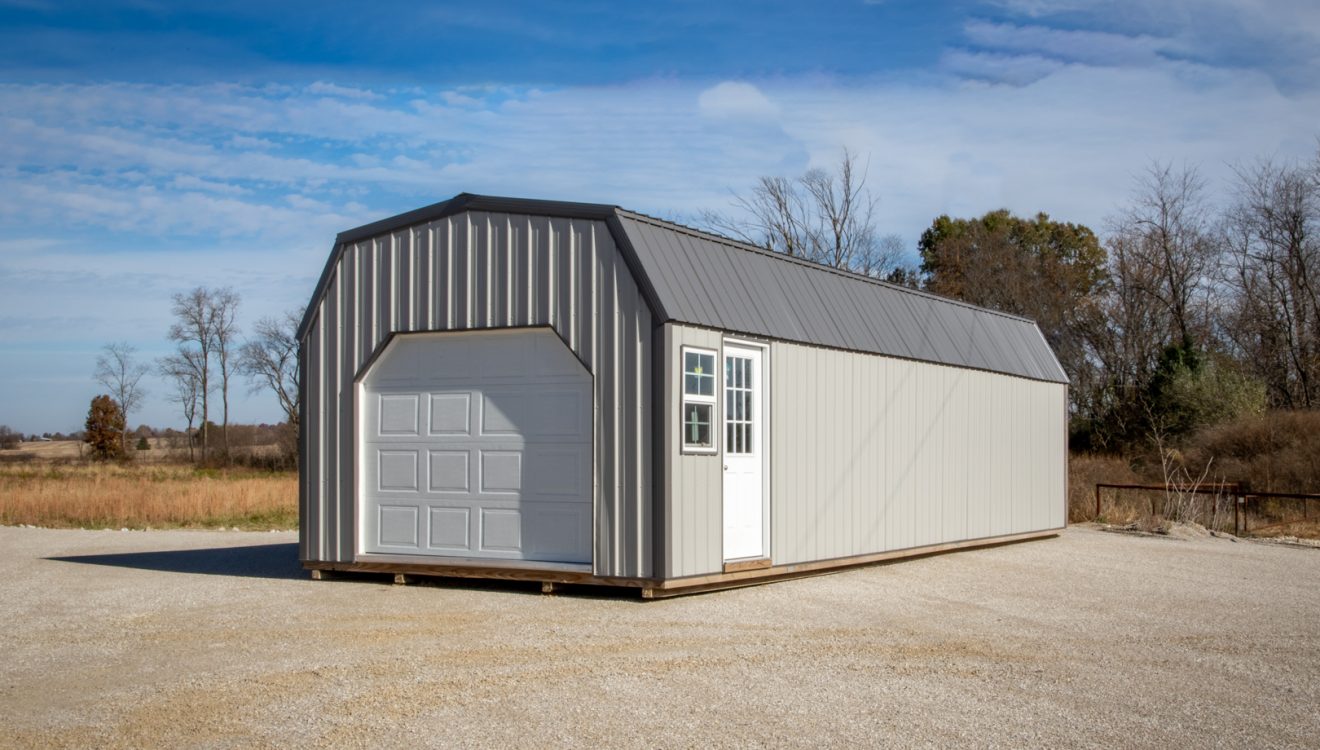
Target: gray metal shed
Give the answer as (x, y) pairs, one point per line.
(571, 392)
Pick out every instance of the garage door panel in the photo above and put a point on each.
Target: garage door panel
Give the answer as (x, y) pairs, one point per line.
(449, 529)
(450, 414)
(478, 449)
(501, 472)
(398, 414)
(448, 471)
(398, 525)
(501, 530)
(397, 470)
(503, 411)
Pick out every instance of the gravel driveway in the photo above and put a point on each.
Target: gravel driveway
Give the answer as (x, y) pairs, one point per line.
(218, 639)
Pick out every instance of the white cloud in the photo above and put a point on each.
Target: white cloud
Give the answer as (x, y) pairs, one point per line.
(1090, 47)
(325, 88)
(190, 182)
(736, 100)
(1016, 70)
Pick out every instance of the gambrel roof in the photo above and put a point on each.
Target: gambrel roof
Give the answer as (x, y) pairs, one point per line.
(693, 277)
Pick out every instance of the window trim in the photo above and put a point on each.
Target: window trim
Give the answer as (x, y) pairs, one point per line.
(684, 398)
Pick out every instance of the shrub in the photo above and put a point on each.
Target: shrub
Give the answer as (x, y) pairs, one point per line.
(1084, 472)
(1278, 451)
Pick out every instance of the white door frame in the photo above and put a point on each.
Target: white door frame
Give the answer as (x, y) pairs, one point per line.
(762, 427)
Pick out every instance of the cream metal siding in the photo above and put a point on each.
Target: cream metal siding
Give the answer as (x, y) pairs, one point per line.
(872, 454)
(480, 270)
(692, 485)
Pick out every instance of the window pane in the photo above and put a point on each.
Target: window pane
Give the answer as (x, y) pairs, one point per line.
(746, 410)
(747, 438)
(728, 437)
(728, 371)
(698, 374)
(696, 425)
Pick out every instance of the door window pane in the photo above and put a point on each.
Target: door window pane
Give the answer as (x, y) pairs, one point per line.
(739, 397)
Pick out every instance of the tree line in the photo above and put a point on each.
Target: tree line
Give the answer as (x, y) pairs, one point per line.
(210, 354)
(1179, 315)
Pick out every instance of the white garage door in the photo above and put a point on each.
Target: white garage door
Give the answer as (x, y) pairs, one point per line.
(477, 445)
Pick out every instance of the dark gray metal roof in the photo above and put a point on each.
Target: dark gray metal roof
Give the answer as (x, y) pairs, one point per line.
(692, 277)
(712, 281)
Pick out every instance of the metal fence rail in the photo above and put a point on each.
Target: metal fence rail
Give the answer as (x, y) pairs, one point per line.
(1242, 499)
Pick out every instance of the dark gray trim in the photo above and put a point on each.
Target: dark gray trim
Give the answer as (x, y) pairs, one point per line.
(469, 202)
(458, 204)
(659, 315)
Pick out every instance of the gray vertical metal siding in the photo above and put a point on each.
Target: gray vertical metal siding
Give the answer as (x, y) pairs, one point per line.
(693, 483)
(476, 270)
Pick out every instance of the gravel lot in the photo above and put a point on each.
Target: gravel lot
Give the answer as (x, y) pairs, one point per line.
(218, 639)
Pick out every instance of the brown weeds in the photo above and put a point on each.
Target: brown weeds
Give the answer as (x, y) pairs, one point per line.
(156, 496)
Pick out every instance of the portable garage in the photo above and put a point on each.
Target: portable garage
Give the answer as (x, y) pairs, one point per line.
(571, 392)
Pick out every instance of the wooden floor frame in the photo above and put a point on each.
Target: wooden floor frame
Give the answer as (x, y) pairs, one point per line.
(652, 588)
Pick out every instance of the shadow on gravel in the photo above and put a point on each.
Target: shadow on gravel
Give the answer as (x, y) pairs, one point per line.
(254, 561)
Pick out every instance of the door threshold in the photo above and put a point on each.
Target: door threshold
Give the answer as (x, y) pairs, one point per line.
(753, 563)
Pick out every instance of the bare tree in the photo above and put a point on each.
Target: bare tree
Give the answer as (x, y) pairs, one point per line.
(271, 360)
(1272, 271)
(1123, 347)
(822, 216)
(195, 328)
(185, 369)
(224, 304)
(1167, 231)
(119, 371)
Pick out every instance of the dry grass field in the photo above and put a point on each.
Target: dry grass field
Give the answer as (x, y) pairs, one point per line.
(137, 496)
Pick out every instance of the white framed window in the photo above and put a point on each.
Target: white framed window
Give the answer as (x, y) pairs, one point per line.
(697, 419)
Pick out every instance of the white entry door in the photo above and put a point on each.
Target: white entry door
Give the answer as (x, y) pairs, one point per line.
(744, 453)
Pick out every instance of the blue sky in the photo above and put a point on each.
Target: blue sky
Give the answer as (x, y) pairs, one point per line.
(147, 147)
